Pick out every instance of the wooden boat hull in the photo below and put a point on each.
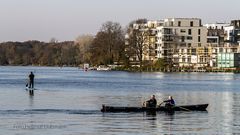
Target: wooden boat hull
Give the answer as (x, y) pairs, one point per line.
(200, 107)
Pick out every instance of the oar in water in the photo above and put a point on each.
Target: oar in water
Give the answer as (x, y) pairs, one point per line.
(176, 106)
(184, 108)
(160, 104)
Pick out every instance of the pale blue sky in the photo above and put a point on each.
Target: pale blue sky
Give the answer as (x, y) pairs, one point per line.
(22, 20)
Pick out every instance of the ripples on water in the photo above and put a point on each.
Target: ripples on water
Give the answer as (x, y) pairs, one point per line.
(68, 101)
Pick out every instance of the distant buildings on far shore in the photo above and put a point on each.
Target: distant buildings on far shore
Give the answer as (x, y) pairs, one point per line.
(187, 43)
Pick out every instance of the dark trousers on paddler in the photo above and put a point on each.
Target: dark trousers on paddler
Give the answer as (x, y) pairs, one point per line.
(31, 84)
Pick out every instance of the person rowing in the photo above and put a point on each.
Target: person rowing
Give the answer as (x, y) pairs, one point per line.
(170, 102)
(151, 102)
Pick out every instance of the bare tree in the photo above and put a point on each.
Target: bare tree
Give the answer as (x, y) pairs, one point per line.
(137, 40)
(108, 44)
(84, 43)
(114, 40)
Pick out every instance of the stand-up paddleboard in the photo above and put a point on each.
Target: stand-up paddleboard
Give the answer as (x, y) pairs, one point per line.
(27, 89)
(31, 90)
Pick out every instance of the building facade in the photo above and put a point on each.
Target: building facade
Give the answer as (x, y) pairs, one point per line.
(215, 34)
(228, 60)
(215, 40)
(178, 40)
(185, 42)
(232, 32)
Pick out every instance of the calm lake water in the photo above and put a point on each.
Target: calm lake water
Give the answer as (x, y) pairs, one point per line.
(68, 102)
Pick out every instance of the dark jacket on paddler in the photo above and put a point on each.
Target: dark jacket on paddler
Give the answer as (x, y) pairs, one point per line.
(151, 103)
(170, 102)
(31, 80)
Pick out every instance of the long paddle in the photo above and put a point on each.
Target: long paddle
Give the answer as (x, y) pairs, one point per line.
(184, 108)
(160, 104)
(177, 106)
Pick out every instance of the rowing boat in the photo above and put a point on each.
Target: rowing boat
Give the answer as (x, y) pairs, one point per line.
(199, 107)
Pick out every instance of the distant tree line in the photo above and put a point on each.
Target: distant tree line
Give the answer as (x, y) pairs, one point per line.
(38, 53)
(105, 48)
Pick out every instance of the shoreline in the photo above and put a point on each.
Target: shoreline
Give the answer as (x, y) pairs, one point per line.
(227, 70)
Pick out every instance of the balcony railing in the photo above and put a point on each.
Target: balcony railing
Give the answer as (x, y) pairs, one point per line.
(167, 39)
(167, 31)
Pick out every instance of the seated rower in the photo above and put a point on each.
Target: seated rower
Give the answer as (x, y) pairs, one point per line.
(152, 102)
(170, 102)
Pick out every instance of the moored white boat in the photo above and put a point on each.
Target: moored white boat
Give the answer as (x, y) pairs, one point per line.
(101, 68)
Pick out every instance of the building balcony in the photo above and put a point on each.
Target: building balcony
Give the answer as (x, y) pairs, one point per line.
(168, 40)
(168, 33)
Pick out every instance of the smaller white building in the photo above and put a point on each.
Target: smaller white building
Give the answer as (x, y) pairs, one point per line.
(229, 30)
(216, 25)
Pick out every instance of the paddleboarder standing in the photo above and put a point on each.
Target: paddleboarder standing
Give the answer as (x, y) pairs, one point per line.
(31, 80)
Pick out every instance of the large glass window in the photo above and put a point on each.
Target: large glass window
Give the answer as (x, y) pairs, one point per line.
(231, 64)
(182, 30)
(183, 38)
(227, 56)
(189, 32)
(223, 56)
(219, 57)
(189, 59)
(191, 23)
(194, 51)
(189, 37)
(201, 59)
(179, 23)
(231, 56)
(183, 59)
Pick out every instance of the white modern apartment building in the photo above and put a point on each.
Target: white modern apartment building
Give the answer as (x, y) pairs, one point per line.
(150, 52)
(178, 39)
(233, 32)
(216, 25)
(150, 40)
(215, 35)
(173, 39)
(185, 42)
(222, 38)
(215, 40)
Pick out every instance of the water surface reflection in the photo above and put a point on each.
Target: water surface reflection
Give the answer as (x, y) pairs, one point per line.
(73, 98)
